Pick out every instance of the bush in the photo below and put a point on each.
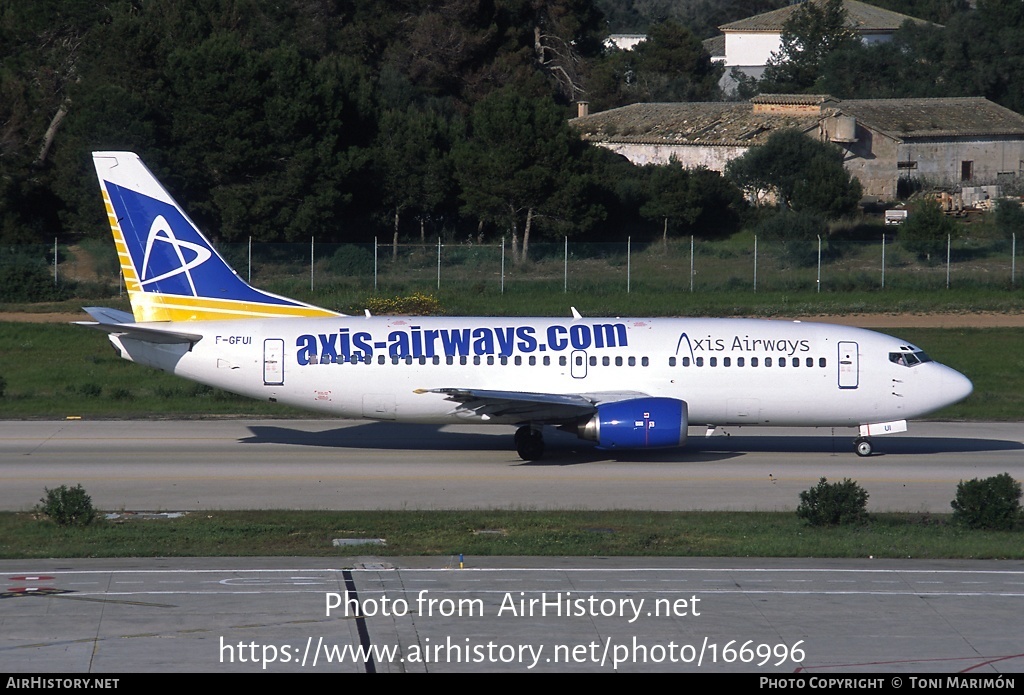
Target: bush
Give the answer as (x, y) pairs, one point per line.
(992, 503)
(67, 506)
(417, 304)
(833, 504)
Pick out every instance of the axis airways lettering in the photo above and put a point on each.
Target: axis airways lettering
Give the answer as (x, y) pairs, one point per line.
(748, 344)
(415, 341)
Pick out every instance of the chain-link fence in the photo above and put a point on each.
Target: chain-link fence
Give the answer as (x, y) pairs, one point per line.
(680, 265)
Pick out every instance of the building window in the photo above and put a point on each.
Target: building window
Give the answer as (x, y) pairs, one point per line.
(966, 171)
(906, 165)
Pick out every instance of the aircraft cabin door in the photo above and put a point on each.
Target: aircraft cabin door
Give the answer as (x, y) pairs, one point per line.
(849, 365)
(273, 362)
(578, 364)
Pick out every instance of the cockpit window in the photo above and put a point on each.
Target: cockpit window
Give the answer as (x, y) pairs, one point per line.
(909, 359)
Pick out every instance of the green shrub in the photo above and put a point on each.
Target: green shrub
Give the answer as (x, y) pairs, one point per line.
(417, 304)
(67, 506)
(992, 503)
(833, 504)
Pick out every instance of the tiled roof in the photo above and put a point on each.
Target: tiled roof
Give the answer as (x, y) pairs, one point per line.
(738, 123)
(688, 123)
(946, 117)
(715, 46)
(861, 16)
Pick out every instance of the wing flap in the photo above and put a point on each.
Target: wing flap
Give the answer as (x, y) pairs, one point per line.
(524, 406)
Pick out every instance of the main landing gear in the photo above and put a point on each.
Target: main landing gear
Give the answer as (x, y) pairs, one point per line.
(863, 446)
(529, 443)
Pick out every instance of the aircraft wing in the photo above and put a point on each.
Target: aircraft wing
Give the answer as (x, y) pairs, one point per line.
(516, 406)
(121, 323)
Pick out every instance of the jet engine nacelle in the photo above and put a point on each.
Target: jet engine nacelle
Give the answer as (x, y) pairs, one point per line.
(641, 423)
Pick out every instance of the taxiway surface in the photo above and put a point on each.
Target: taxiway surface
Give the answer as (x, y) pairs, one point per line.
(323, 464)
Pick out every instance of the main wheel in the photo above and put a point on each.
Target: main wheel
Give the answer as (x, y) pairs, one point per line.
(529, 444)
(863, 446)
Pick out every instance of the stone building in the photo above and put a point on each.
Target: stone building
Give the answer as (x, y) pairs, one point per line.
(925, 142)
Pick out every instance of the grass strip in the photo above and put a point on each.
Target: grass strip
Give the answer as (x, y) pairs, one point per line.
(505, 532)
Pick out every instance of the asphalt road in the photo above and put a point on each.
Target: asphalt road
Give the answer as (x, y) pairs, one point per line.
(323, 464)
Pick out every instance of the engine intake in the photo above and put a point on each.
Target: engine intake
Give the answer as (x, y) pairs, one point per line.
(640, 423)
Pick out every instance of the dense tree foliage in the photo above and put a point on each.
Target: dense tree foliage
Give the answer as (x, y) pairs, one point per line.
(812, 33)
(671, 65)
(799, 173)
(347, 120)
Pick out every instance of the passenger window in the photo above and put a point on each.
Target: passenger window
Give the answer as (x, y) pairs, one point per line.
(561, 361)
(533, 360)
(504, 360)
(618, 361)
(699, 361)
(476, 359)
(739, 362)
(449, 360)
(631, 361)
(593, 361)
(547, 361)
(713, 362)
(795, 361)
(782, 361)
(381, 359)
(726, 362)
(519, 360)
(644, 361)
(810, 361)
(606, 361)
(686, 361)
(767, 361)
(490, 359)
(821, 361)
(753, 361)
(463, 359)
(671, 361)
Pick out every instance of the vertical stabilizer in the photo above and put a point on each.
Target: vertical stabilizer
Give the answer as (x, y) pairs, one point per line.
(171, 270)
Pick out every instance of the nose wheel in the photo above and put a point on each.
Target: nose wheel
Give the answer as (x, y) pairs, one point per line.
(529, 443)
(863, 446)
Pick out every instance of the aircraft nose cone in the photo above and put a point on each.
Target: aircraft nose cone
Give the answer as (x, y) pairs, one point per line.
(955, 386)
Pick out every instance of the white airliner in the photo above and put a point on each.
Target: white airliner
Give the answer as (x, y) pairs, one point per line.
(621, 382)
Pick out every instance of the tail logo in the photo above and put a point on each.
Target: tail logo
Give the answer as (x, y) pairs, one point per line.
(160, 232)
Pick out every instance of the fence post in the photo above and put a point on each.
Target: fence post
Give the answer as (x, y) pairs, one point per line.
(691, 263)
(819, 264)
(565, 270)
(949, 246)
(883, 260)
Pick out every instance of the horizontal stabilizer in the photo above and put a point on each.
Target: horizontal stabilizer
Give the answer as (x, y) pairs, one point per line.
(120, 323)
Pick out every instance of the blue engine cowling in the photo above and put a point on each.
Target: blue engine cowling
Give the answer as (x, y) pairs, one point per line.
(641, 423)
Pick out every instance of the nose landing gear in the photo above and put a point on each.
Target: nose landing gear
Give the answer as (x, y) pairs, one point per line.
(863, 446)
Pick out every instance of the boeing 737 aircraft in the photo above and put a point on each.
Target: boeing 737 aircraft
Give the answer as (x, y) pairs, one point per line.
(620, 382)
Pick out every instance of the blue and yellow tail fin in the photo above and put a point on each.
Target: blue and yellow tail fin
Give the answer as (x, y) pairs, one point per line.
(171, 271)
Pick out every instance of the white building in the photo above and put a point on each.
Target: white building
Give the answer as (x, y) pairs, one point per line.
(749, 43)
